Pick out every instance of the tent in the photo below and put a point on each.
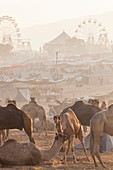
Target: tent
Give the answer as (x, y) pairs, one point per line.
(20, 97)
(106, 144)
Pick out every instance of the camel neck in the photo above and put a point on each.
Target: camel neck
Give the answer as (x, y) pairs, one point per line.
(49, 154)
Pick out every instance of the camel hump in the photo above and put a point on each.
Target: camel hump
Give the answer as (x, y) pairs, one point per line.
(10, 141)
(79, 102)
(11, 105)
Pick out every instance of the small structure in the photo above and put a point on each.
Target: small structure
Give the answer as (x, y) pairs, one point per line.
(57, 44)
(20, 97)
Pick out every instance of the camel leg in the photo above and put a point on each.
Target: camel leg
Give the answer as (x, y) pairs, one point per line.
(72, 149)
(82, 141)
(97, 148)
(84, 128)
(0, 136)
(42, 127)
(92, 152)
(33, 125)
(66, 152)
(80, 136)
(45, 122)
(95, 163)
(100, 160)
(3, 136)
(7, 133)
(93, 147)
(28, 128)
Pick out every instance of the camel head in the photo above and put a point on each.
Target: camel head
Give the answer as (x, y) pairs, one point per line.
(11, 106)
(57, 120)
(94, 102)
(32, 99)
(12, 101)
(104, 104)
(61, 138)
(110, 108)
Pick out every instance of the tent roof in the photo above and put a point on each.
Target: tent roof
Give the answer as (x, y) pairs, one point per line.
(20, 97)
(60, 40)
(106, 145)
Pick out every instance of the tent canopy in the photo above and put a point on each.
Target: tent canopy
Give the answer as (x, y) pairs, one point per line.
(106, 144)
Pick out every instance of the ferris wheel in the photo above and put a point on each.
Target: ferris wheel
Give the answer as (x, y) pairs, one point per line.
(91, 31)
(10, 32)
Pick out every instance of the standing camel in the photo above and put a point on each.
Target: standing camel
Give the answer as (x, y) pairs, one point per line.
(13, 153)
(69, 124)
(36, 111)
(94, 102)
(100, 122)
(7, 102)
(2, 134)
(84, 112)
(13, 118)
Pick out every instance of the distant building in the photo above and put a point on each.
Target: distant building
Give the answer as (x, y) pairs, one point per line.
(72, 46)
(57, 44)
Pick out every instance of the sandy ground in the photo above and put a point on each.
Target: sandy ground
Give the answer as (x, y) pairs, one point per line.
(46, 141)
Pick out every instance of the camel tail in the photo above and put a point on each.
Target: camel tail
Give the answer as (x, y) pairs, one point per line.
(28, 127)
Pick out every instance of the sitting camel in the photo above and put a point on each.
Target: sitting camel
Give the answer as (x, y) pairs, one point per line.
(14, 153)
(100, 122)
(69, 124)
(36, 111)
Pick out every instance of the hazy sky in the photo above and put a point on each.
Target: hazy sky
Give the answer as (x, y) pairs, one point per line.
(31, 12)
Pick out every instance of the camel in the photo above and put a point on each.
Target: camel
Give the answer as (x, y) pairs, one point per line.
(100, 122)
(69, 124)
(84, 112)
(104, 106)
(2, 134)
(14, 153)
(11, 101)
(36, 111)
(94, 102)
(56, 109)
(7, 102)
(13, 118)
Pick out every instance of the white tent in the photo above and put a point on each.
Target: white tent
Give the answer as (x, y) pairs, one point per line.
(106, 145)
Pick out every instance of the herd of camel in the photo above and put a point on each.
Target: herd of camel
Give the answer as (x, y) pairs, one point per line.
(68, 125)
